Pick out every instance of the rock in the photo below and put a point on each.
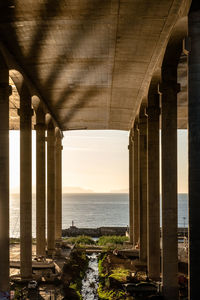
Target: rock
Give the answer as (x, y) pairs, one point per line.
(70, 294)
(115, 284)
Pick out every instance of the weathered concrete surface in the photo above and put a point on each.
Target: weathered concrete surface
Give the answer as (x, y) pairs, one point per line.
(14, 105)
(25, 184)
(131, 185)
(58, 187)
(40, 183)
(169, 187)
(136, 184)
(143, 125)
(153, 202)
(90, 61)
(50, 189)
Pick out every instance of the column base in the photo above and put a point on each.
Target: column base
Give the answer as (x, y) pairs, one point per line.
(58, 243)
(50, 253)
(128, 243)
(41, 254)
(26, 279)
(141, 265)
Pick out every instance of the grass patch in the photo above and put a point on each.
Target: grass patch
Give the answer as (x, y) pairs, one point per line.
(119, 274)
(112, 241)
(17, 241)
(80, 240)
(101, 259)
(14, 241)
(110, 280)
(105, 294)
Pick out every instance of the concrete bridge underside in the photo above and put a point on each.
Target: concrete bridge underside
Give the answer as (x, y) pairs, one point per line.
(102, 64)
(91, 62)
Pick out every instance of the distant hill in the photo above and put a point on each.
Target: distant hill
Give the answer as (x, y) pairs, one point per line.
(120, 191)
(75, 189)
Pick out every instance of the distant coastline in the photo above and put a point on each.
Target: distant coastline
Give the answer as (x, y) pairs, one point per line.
(91, 210)
(92, 192)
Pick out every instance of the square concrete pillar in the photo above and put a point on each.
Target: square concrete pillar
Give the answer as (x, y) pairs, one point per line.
(153, 205)
(40, 128)
(131, 183)
(25, 113)
(169, 90)
(4, 176)
(58, 191)
(136, 177)
(143, 183)
(194, 148)
(51, 189)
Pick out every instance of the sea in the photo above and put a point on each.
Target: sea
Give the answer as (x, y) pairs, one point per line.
(91, 210)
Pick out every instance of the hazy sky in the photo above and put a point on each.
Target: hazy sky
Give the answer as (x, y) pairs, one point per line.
(95, 160)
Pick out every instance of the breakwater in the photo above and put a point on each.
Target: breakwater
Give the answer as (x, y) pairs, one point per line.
(94, 232)
(100, 231)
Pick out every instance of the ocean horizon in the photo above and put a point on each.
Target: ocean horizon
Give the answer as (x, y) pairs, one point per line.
(91, 210)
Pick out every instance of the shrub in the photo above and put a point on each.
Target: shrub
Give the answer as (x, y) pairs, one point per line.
(112, 240)
(105, 294)
(120, 274)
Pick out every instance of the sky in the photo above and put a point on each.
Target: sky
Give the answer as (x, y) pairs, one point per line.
(95, 161)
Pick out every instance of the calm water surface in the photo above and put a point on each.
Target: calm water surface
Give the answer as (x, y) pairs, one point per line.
(92, 210)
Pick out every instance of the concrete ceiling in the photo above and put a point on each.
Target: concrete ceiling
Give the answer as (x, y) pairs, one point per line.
(90, 60)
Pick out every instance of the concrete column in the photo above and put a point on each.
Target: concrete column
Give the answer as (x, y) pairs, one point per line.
(169, 90)
(136, 184)
(50, 189)
(153, 204)
(25, 113)
(4, 177)
(131, 197)
(194, 150)
(40, 184)
(143, 184)
(58, 233)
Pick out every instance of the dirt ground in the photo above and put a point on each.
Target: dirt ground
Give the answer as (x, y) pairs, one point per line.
(45, 291)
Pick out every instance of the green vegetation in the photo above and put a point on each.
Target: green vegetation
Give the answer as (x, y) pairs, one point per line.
(112, 241)
(73, 273)
(119, 274)
(17, 241)
(14, 240)
(101, 259)
(80, 240)
(108, 294)
(77, 288)
(111, 279)
(105, 290)
(106, 242)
